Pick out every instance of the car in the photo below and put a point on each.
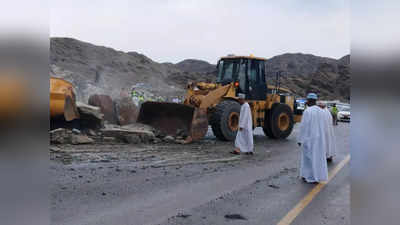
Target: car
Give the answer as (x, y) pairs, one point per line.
(343, 113)
(301, 104)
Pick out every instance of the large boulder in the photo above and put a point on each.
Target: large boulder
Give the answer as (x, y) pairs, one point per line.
(105, 103)
(126, 111)
(91, 116)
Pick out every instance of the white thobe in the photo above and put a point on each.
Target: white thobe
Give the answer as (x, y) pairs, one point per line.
(313, 144)
(244, 137)
(329, 134)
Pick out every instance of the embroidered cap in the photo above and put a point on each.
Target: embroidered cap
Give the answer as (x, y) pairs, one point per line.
(312, 96)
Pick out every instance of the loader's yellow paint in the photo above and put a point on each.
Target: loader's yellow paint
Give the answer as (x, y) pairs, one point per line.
(283, 121)
(214, 96)
(62, 99)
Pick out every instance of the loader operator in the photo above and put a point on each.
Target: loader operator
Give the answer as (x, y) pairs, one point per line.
(244, 137)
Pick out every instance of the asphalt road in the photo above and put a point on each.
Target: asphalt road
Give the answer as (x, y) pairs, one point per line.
(140, 185)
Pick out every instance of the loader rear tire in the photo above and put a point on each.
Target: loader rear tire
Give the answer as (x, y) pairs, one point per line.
(224, 120)
(281, 121)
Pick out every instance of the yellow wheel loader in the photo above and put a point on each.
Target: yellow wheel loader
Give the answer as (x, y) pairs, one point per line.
(216, 104)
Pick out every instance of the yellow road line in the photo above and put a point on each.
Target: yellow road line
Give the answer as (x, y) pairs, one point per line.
(292, 214)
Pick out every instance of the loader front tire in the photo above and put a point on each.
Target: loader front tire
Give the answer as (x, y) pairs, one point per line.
(281, 122)
(224, 120)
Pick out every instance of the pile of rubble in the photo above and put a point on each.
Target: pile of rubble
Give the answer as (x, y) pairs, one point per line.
(140, 133)
(131, 134)
(179, 138)
(67, 136)
(110, 133)
(78, 131)
(108, 120)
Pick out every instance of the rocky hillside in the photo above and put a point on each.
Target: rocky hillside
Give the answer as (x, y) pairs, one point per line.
(329, 78)
(302, 73)
(101, 70)
(298, 64)
(195, 65)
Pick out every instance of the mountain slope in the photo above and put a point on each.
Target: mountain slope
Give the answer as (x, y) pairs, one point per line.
(195, 65)
(101, 70)
(330, 79)
(298, 64)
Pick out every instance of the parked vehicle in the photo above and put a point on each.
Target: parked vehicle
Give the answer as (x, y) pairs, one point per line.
(344, 113)
(301, 104)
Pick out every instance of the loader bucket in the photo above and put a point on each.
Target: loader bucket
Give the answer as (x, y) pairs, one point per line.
(173, 118)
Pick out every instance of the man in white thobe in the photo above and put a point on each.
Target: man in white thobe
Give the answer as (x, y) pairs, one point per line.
(312, 140)
(244, 136)
(329, 133)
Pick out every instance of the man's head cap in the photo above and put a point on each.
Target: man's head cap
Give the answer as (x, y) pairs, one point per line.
(312, 96)
(241, 96)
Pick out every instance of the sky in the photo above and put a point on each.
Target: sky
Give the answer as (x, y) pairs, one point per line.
(174, 30)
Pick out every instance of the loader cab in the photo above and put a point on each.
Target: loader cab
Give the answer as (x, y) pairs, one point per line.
(248, 72)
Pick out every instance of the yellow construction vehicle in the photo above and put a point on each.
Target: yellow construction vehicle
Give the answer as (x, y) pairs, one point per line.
(62, 100)
(216, 104)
